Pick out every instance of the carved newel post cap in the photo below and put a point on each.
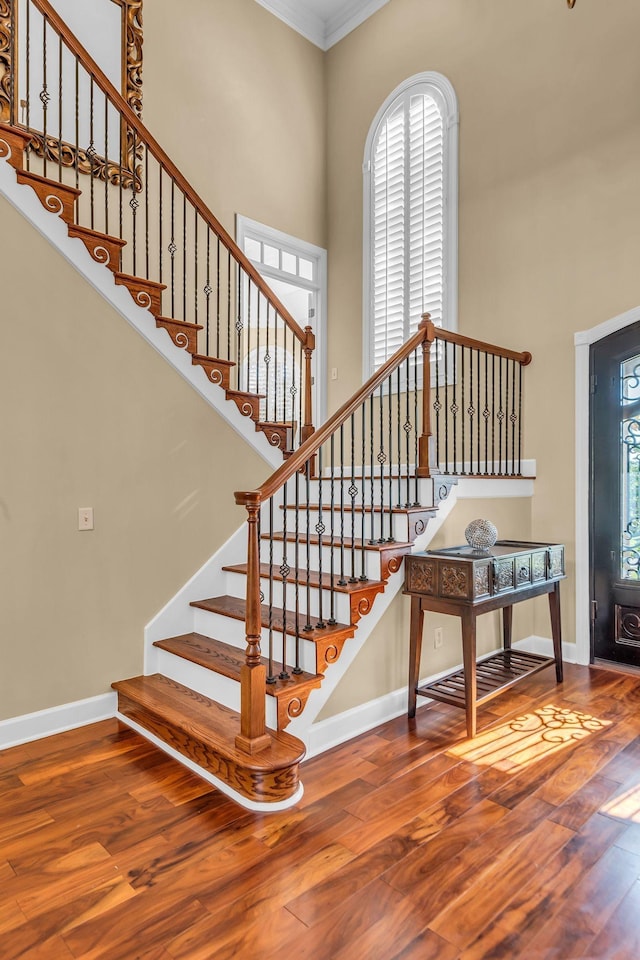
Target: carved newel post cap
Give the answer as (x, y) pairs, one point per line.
(481, 534)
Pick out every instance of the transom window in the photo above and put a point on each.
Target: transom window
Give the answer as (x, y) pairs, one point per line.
(410, 203)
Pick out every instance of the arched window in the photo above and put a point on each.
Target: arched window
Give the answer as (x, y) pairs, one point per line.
(410, 215)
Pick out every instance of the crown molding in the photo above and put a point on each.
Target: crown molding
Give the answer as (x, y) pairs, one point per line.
(324, 32)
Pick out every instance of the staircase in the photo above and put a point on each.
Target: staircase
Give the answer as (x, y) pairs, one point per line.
(227, 674)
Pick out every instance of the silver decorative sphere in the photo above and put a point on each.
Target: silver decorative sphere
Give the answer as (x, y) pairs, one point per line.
(481, 534)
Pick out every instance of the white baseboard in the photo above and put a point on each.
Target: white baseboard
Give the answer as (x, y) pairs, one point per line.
(351, 723)
(67, 716)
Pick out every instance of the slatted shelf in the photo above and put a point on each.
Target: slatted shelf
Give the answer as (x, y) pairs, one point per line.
(493, 675)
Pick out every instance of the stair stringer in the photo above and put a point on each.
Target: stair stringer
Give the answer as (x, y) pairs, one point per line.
(53, 229)
(177, 617)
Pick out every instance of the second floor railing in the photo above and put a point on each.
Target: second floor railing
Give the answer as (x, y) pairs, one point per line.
(85, 135)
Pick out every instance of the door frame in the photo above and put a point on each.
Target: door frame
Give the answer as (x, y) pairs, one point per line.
(245, 227)
(583, 341)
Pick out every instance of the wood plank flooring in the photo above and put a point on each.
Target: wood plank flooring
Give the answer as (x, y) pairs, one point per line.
(410, 843)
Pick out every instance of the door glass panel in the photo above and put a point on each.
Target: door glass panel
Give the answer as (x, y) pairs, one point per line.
(630, 468)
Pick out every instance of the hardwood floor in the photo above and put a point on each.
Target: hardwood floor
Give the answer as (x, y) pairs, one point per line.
(411, 843)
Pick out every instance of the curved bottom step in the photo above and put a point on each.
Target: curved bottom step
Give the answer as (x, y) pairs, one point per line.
(204, 732)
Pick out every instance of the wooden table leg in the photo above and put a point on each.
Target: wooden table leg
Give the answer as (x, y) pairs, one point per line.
(469, 661)
(556, 628)
(507, 620)
(415, 649)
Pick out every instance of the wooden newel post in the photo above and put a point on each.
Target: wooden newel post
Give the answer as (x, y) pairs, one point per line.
(309, 347)
(425, 463)
(253, 735)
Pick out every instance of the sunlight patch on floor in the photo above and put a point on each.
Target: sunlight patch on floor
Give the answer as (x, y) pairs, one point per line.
(530, 737)
(624, 807)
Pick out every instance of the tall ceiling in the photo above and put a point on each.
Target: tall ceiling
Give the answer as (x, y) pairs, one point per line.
(324, 22)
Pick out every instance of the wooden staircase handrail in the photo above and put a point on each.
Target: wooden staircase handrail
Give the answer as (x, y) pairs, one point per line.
(523, 358)
(143, 134)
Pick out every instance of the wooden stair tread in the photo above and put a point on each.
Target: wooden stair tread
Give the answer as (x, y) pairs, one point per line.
(185, 324)
(76, 230)
(312, 578)
(203, 357)
(348, 508)
(235, 607)
(46, 181)
(227, 660)
(206, 721)
(247, 394)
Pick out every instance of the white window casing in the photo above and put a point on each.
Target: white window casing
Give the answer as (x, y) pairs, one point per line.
(410, 215)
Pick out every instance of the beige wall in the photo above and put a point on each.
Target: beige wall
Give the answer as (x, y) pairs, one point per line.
(237, 99)
(383, 663)
(91, 415)
(549, 193)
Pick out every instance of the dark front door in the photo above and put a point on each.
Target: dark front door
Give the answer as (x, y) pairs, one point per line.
(615, 496)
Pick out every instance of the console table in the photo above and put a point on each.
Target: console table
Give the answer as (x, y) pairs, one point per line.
(465, 583)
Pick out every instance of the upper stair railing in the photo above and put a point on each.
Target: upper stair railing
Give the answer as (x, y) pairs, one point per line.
(194, 277)
(443, 404)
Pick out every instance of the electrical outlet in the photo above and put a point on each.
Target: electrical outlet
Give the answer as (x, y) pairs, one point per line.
(85, 518)
(437, 638)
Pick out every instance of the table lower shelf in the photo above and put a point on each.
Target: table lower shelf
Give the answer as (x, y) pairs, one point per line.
(493, 675)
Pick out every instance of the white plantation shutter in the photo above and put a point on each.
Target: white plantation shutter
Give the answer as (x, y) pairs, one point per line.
(407, 242)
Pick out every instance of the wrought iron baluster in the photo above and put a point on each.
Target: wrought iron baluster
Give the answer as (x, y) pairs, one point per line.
(353, 493)
(520, 418)
(332, 507)
(471, 411)
(493, 413)
(60, 109)
(446, 407)
(297, 669)
(106, 170)
(275, 367)
(436, 403)
(160, 211)
(363, 515)
(218, 298)
(196, 296)
(44, 93)
(407, 429)
(248, 328)
(416, 358)
(173, 248)
(320, 529)
(266, 360)
(229, 305)
(381, 457)
(500, 416)
(207, 293)
(133, 203)
(342, 581)
(372, 472)
(28, 76)
(462, 407)
(390, 455)
(513, 417)
(285, 570)
(307, 472)
(271, 674)
(146, 211)
(399, 436)
(184, 256)
(486, 413)
(506, 415)
(478, 430)
(454, 408)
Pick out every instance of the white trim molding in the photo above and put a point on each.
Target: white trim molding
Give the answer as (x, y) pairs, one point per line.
(247, 228)
(46, 723)
(304, 17)
(582, 342)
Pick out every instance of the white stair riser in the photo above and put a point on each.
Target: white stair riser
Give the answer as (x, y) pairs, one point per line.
(234, 632)
(398, 495)
(237, 584)
(374, 524)
(371, 559)
(213, 685)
